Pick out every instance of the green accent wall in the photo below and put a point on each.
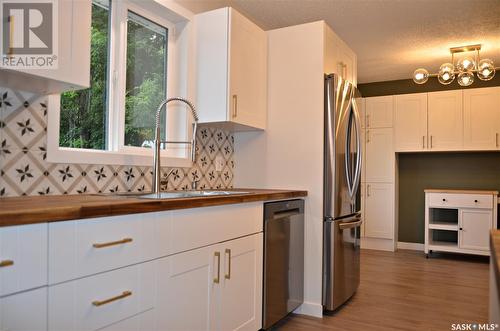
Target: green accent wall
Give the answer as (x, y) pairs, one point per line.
(404, 86)
(418, 171)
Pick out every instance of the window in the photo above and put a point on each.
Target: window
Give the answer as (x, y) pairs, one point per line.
(133, 50)
(84, 113)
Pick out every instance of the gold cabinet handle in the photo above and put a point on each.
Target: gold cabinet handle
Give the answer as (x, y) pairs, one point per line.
(423, 142)
(367, 136)
(431, 141)
(228, 275)
(496, 139)
(118, 297)
(217, 279)
(235, 105)
(113, 243)
(368, 190)
(6, 263)
(368, 120)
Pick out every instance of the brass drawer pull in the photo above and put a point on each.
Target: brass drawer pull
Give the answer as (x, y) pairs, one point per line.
(118, 297)
(6, 263)
(228, 275)
(235, 105)
(217, 279)
(113, 243)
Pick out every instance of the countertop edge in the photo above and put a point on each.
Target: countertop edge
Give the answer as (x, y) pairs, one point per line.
(115, 206)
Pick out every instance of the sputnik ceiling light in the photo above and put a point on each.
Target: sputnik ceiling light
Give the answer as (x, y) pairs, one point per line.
(464, 69)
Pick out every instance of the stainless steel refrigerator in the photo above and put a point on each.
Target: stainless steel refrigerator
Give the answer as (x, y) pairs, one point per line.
(341, 193)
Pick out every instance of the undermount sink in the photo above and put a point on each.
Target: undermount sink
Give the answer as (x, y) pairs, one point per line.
(182, 194)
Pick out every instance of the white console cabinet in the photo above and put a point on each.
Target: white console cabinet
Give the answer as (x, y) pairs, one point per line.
(459, 221)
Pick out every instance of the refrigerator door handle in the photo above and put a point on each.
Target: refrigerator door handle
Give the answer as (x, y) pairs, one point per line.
(347, 156)
(359, 159)
(350, 225)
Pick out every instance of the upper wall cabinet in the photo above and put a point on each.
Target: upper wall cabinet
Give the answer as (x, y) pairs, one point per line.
(410, 122)
(428, 121)
(482, 118)
(379, 112)
(231, 69)
(445, 120)
(73, 53)
(339, 59)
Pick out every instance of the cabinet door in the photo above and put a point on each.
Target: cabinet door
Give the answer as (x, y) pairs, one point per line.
(410, 122)
(379, 156)
(379, 112)
(25, 311)
(482, 118)
(379, 211)
(23, 253)
(347, 59)
(445, 120)
(241, 289)
(247, 72)
(475, 226)
(187, 290)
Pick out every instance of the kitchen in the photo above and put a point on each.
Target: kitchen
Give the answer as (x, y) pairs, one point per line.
(185, 165)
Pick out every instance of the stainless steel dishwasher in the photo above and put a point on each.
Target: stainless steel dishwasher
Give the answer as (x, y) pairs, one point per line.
(283, 259)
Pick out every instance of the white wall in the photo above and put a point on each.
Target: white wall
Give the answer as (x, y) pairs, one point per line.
(289, 154)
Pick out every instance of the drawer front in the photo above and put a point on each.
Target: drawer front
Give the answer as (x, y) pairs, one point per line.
(460, 200)
(198, 227)
(94, 302)
(142, 322)
(23, 257)
(24, 311)
(86, 247)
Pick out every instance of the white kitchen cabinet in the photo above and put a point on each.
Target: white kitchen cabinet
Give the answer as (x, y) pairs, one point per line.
(73, 72)
(91, 303)
(379, 112)
(410, 122)
(459, 221)
(222, 283)
(339, 59)
(474, 229)
(445, 120)
(23, 257)
(379, 211)
(26, 311)
(482, 118)
(231, 62)
(380, 158)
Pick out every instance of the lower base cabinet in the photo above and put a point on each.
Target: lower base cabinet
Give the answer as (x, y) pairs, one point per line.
(218, 287)
(26, 311)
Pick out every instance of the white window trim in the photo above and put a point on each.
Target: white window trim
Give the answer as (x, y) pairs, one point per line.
(177, 84)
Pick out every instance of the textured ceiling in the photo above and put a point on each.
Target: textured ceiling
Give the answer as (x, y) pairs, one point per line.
(391, 37)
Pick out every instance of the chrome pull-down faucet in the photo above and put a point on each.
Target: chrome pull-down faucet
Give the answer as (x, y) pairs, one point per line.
(157, 142)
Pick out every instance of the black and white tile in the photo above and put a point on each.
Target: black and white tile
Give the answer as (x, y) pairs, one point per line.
(24, 169)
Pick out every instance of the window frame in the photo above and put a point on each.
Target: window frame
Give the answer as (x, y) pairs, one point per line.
(117, 153)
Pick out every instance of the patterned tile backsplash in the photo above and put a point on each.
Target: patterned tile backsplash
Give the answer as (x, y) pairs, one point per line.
(25, 171)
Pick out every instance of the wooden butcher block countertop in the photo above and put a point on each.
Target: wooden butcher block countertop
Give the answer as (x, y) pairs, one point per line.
(41, 209)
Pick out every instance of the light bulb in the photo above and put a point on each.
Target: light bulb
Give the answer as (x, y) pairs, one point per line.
(446, 73)
(485, 69)
(465, 78)
(466, 64)
(420, 76)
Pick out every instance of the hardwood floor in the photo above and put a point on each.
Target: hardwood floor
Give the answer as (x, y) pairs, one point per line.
(406, 291)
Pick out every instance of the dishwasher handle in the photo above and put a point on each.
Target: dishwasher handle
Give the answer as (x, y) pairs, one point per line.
(283, 209)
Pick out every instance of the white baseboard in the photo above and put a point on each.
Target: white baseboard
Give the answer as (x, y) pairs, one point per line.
(378, 244)
(311, 309)
(410, 246)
